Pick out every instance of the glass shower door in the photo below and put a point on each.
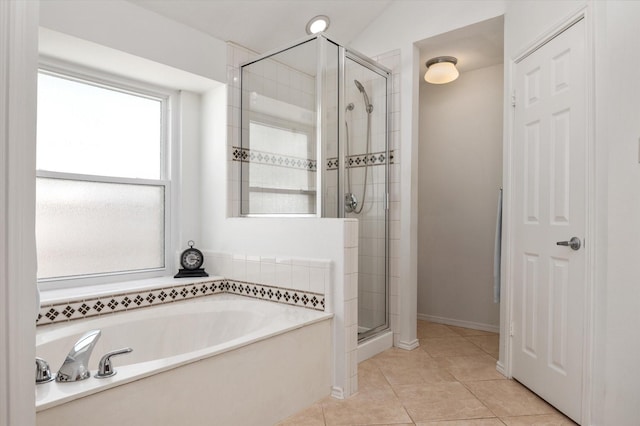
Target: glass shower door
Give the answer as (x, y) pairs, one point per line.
(366, 159)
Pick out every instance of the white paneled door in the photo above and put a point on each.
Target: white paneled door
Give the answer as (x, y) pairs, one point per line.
(549, 195)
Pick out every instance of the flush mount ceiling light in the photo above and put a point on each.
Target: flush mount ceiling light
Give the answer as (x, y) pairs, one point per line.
(318, 24)
(441, 70)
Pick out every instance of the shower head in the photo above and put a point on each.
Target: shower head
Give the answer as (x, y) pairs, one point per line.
(367, 104)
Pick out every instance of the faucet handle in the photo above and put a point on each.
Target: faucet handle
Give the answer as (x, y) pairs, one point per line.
(105, 367)
(43, 372)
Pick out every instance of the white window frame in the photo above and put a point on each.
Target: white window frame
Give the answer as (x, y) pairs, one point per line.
(169, 172)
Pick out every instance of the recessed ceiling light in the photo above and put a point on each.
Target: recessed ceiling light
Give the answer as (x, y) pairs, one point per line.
(318, 24)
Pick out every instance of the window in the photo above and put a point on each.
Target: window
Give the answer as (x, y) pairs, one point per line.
(102, 185)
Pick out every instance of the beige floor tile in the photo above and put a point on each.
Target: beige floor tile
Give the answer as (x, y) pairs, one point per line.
(471, 368)
(400, 356)
(494, 355)
(450, 346)
(312, 416)
(363, 409)
(469, 331)
(416, 366)
(509, 398)
(468, 422)
(451, 380)
(370, 376)
(429, 329)
(490, 344)
(440, 401)
(406, 375)
(555, 419)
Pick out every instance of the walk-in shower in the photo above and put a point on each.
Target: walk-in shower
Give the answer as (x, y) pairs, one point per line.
(315, 142)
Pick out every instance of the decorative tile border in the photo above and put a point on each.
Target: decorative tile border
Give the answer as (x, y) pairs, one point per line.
(79, 309)
(247, 155)
(361, 160)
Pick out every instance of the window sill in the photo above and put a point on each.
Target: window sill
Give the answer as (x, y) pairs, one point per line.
(54, 296)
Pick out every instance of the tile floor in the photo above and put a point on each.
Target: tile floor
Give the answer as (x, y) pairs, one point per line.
(450, 380)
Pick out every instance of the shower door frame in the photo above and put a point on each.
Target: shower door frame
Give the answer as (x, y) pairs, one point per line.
(362, 60)
(344, 54)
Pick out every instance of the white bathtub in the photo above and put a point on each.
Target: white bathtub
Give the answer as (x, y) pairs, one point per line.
(221, 359)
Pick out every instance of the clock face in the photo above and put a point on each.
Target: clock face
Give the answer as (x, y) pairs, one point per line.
(191, 259)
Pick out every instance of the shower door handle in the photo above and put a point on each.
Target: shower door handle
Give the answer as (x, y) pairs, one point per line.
(574, 243)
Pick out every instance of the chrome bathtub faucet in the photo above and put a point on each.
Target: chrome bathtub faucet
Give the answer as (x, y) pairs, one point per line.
(76, 366)
(105, 366)
(43, 373)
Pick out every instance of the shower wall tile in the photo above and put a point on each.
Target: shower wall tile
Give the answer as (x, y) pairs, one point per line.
(253, 269)
(351, 260)
(394, 287)
(239, 267)
(300, 277)
(268, 270)
(351, 286)
(318, 278)
(272, 79)
(351, 312)
(284, 274)
(299, 274)
(220, 263)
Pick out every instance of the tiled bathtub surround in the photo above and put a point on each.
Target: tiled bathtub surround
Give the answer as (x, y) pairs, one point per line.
(86, 308)
(305, 275)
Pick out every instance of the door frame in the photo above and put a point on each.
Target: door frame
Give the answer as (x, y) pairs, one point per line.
(18, 81)
(592, 236)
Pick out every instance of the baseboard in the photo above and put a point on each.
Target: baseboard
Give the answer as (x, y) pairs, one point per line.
(337, 392)
(500, 368)
(408, 346)
(460, 323)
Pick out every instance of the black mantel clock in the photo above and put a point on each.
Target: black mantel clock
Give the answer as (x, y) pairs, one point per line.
(191, 260)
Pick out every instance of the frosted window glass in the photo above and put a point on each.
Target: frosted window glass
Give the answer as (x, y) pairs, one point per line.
(93, 130)
(85, 228)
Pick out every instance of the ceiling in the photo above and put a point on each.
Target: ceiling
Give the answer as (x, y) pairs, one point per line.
(264, 25)
(475, 46)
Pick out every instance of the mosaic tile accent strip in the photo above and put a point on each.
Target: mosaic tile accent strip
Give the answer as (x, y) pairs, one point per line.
(276, 294)
(79, 309)
(247, 155)
(361, 160)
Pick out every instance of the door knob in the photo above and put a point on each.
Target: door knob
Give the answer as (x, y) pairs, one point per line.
(574, 243)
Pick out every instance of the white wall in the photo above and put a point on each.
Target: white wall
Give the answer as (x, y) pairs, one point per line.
(618, 298)
(189, 209)
(167, 54)
(126, 27)
(460, 173)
